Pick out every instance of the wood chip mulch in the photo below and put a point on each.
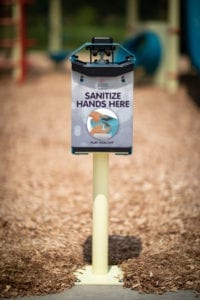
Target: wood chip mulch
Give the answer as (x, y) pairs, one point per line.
(46, 193)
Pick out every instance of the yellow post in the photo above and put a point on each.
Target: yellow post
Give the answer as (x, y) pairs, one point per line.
(16, 51)
(173, 45)
(132, 15)
(100, 214)
(100, 272)
(55, 40)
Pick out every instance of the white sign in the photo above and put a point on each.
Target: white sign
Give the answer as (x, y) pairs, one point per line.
(102, 113)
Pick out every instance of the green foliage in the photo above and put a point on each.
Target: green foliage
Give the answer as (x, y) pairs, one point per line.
(157, 11)
(86, 15)
(83, 20)
(79, 35)
(38, 29)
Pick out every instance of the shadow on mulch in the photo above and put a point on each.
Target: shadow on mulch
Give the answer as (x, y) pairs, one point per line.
(121, 248)
(192, 84)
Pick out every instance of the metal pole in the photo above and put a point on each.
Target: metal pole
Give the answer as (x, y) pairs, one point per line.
(100, 214)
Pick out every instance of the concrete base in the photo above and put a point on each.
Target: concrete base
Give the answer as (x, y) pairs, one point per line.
(113, 277)
(109, 292)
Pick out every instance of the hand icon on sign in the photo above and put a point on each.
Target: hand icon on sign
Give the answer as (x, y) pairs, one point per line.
(102, 123)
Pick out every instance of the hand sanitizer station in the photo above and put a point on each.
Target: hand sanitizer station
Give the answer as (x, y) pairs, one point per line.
(102, 122)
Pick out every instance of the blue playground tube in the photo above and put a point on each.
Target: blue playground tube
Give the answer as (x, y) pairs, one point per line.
(146, 47)
(59, 56)
(192, 11)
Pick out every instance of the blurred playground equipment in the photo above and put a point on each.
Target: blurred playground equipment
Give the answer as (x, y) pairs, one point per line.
(147, 48)
(15, 37)
(156, 43)
(192, 14)
(56, 52)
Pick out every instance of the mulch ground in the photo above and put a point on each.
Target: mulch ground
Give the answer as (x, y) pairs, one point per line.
(46, 192)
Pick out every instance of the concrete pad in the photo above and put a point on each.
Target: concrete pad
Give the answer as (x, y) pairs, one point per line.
(112, 292)
(114, 276)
